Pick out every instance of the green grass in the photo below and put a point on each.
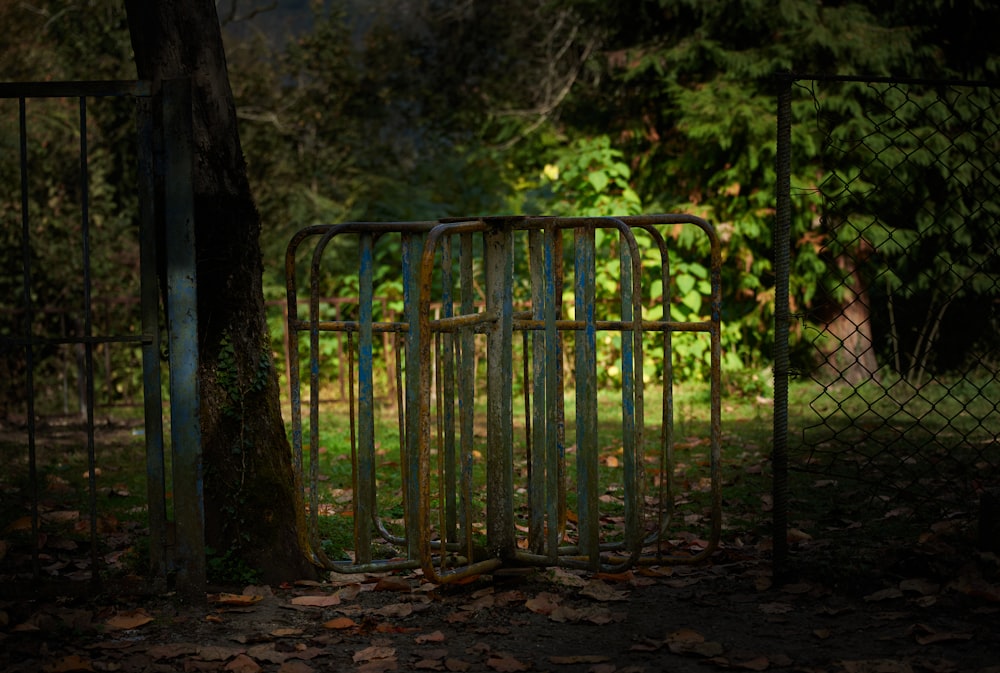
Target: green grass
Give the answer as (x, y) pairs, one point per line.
(867, 465)
(745, 443)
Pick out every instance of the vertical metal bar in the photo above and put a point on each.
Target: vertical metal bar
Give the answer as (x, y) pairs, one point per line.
(29, 319)
(782, 318)
(292, 328)
(499, 391)
(448, 397)
(715, 430)
(586, 395)
(412, 253)
(314, 385)
(539, 447)
(667, 409)
(364, 496)
(629, 392)
(467, 390)
(557, 409)
(335, 305)
(151, 393)
(182, 325)
(88, 346)
(554, 444)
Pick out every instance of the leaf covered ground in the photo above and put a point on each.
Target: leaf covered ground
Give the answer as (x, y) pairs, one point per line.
(727, 615)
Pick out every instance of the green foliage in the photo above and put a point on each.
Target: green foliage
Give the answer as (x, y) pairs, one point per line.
(587, 178)
(574, 107)
(229, 568)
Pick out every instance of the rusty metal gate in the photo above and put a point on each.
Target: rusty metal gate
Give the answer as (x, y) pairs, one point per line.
(476, 493)
(164, 161)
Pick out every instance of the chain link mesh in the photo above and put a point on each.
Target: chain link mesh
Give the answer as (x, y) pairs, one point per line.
(898, 341)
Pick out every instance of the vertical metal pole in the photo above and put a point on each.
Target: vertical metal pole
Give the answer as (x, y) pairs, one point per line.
(151, 393)
(29, 319)
(448, 395)
(182, 326)
(537, 466)
(499, 391)
(88, 346)
(631, 433)
(586, 396)
(782, 316)
(412, 254)
(554, 417)
(364, 497)
(466, 389)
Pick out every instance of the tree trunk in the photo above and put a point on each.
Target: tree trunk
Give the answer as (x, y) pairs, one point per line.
(254, 517)
(850, 353)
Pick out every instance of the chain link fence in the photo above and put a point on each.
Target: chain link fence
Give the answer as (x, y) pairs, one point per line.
(888, 193)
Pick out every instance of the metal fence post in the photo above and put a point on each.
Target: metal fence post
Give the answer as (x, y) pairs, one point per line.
(782, 261)
(182, 328)
(499, 367)
(151, 391)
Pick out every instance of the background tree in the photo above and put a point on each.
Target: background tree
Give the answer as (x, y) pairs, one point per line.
(254, 514)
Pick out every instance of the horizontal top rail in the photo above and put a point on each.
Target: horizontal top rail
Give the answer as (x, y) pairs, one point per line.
(874, 79)
(94, 88)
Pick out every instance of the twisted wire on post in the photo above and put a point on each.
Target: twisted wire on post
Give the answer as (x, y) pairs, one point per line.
(782, 262)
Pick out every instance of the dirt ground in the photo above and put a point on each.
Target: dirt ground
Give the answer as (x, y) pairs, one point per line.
(725, 615)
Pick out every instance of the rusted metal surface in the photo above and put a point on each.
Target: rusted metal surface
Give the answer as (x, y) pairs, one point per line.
(477, 494)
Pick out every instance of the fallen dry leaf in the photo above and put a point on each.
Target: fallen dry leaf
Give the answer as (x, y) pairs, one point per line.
(242, 664)
(542, 604)
(795, 536)
(921, 586)
(505, 663)
(286, 633)
(689, 641)
(295, 666)
(884, 595)
(374, 652)
(378, 666)
(340, 623)
(395, 610)
(775, 608)
(215, 653)
(565, 577)
(392, 583)
(760, 663)
(172, 650)
(457, 665)
(876, 666)
(128, 620)
(580, 659)
(600, 591)
(68, 664)
(626, 576)
(234, 599)
(435, 637)
(266, 652)
(349, 592)
(925, 635)
(319, 601)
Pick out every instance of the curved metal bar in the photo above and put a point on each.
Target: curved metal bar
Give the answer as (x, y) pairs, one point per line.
(430, 355)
